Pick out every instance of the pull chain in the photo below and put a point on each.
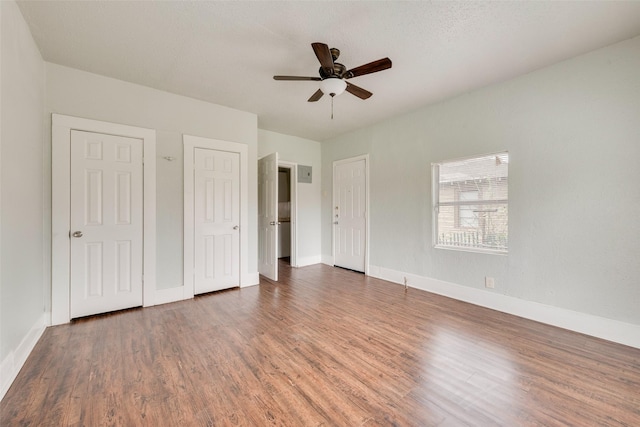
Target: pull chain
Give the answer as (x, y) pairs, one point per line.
(332, 107)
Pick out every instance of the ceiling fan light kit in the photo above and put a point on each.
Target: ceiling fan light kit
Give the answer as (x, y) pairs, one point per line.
(333, 86)
(333, 75)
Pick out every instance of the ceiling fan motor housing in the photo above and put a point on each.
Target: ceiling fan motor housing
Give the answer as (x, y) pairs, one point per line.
(338, 70)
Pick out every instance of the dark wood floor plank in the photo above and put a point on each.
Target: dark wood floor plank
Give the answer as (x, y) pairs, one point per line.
(323, 346)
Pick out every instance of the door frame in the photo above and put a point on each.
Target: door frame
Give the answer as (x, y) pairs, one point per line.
(364, 157)
(61, 127)
(293, 191)
(189, 144)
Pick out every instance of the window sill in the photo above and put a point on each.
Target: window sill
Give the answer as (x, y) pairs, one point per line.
(475, 250)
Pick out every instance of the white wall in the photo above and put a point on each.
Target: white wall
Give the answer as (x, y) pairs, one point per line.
(573, 134)
(22, 271)
(78, 93)
(303, 152)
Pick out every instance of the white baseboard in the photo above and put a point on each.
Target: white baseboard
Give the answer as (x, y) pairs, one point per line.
(308, 260)
(13, 362)
(165, 296)
(250, 279)
(600, 327)
(327, 259)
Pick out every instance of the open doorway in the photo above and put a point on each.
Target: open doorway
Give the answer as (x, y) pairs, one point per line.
(287, 247)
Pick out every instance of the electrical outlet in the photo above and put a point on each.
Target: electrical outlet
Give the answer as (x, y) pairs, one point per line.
(489, 282)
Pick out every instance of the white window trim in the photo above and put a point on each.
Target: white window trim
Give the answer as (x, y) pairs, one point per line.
(61, 210)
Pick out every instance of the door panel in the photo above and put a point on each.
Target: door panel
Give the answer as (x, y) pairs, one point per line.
(350, 214)
(106, 223)
(268, 216)
(216, 220)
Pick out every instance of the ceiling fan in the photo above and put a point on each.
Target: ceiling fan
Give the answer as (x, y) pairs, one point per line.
(333, 75)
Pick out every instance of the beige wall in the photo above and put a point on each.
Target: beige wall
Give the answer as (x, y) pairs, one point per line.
(23, 276)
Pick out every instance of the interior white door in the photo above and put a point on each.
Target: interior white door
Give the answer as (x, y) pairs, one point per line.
(216, 220)
(268, 216)
(106, 223)
(349, 214)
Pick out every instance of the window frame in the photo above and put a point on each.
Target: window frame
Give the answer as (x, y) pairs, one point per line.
(436, 204)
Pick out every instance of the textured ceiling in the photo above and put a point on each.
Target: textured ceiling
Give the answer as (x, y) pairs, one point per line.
(227, 52)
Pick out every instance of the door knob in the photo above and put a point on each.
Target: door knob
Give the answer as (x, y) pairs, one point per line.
(275, 223)
(235, 227)
(77, 234)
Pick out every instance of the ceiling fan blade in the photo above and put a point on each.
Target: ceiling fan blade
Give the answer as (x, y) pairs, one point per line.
(324, 56)
(371, 67)
(316, 79)
(358, 91)
(316, 96)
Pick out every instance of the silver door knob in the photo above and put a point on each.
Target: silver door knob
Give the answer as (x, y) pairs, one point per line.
(275, 223)
(235, 227)
(77, 234)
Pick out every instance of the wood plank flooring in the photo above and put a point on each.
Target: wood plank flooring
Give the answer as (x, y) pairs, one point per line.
(323, 346)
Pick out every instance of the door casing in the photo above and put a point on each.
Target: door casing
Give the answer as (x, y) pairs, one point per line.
(61, 211)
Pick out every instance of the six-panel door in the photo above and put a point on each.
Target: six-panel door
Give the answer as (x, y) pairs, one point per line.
(268, 216)
(349, 217)
(106, 223)
(216, 220)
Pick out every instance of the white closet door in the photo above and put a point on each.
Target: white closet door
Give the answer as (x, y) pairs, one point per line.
(106, 223)
(216, 220)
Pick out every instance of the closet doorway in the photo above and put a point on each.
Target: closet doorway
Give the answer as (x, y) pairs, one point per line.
(287, 212)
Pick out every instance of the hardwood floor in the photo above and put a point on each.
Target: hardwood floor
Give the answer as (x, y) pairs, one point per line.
(323, 346)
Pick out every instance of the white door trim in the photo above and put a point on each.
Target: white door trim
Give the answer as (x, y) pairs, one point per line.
(61, 210)
(364, 157)
(293, 190)
(189, 144)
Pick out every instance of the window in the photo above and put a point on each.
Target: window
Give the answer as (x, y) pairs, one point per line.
(470, 201)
